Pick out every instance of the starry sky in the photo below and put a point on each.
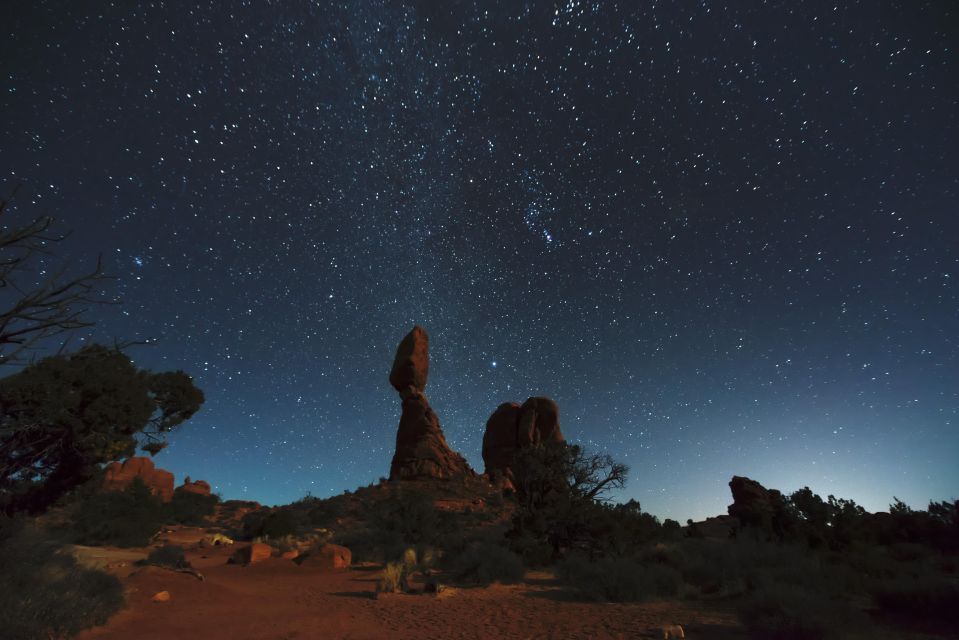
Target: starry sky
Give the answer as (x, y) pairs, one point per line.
(723, 236)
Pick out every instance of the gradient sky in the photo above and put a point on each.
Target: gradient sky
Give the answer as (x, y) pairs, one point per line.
(724, 237)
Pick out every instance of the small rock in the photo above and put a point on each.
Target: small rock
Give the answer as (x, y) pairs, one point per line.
(292, 554)
(162, 596)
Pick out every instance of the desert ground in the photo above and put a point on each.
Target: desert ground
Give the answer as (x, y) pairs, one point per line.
(277, 599)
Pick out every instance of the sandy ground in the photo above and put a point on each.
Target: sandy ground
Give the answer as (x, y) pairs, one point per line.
(280, 600)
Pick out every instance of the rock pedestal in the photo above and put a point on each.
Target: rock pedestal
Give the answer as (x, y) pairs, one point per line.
(421, 448)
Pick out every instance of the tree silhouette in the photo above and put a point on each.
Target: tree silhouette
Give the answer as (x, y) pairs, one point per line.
(63, 416)
(34, 309)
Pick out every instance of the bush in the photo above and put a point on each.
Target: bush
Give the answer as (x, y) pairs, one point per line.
(488, 563)
(787, 612)
(128, 518)
(616, 579)
(170, 556)
(44, 593)
(190, 508)
(392, 579)
(930, 602)
(272, 524)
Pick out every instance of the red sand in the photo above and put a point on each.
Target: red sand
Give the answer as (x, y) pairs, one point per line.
(279, 600)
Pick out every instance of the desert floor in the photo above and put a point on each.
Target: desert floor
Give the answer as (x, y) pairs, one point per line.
(280, 600)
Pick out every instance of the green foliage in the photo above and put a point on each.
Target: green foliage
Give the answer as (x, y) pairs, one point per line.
(617, 579)
(170, 556)
(487, 563)
(128, 518)
(190, 508)
(44, 593)
(560, 491)
(63, 416)
(270, 524)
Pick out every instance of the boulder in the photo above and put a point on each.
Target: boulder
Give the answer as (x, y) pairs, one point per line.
(119, 476)
(421, 448)
(199, 487)
(329, 556)
(513, 427)
(411, 366)
(251, 554)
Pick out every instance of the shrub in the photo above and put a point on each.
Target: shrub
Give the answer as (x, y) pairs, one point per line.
(128, 518)
(788, 612)
(925, 601)
(392, 579)
(169, 555)
(190, 508)
(616, 579)
(488, 563)
(272, 524)
(44, 593)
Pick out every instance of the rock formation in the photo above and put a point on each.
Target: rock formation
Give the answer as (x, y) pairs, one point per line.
(119, 476)
(200, 487)
(421, 449)
(753, 504)
(513, 427)
(329, 556)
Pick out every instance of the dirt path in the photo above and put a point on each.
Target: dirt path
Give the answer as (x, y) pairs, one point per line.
(279, 600)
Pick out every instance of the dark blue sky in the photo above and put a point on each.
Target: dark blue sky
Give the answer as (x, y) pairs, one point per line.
(721, 235)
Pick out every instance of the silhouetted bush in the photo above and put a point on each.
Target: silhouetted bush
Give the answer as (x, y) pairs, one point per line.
(169, 555)
(269, 524)
(128, 518)
(927, 601)
(44, 593)
(190, 508)
(617, 579)
(487, 563)
(788, 612)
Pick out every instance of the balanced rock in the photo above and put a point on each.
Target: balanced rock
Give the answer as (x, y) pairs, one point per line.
(199, 487)
(421, 448)
(411, 366)
(513, 427)
(119, 476)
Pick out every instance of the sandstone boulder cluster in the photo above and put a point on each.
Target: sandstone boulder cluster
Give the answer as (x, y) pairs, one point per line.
(421, 448)
(118, 477)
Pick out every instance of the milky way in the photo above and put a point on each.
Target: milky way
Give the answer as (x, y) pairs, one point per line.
(721, 236)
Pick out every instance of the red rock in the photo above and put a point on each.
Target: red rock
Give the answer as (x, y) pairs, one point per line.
(161, 596)
(292, 554)
(421, 448)
(251, 554)
(200, 487)
(411, 366)
(513, 427)
(119, 476)
(329, 556)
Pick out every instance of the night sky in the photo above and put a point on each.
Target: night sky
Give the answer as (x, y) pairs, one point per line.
(722, 236)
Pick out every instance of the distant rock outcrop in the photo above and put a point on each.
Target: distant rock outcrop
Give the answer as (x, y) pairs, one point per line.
(753, 504)
(119, 476)
(199, 487)
(513, 427)
(421, 448)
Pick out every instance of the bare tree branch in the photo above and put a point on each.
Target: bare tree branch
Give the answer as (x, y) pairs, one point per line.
(39, 310)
